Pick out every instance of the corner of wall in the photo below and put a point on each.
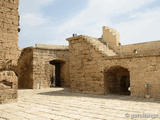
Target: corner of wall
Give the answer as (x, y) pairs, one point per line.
(111, 37)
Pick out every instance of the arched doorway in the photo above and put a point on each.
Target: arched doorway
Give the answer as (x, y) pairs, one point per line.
(117, 81)
(55, 80)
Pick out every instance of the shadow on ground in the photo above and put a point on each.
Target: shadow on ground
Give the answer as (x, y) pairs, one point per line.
(67, 93)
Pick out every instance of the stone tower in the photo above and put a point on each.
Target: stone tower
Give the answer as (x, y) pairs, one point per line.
(9, 30)
(9, 20)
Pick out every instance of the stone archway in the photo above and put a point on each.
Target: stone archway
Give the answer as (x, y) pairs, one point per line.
(56, 79)
(117, 81)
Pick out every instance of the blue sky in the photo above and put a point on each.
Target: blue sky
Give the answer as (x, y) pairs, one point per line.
(52, 21)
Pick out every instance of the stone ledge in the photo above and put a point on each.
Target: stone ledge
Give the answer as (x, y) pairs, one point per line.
(77, 37)
(52, 47)
(131, 56)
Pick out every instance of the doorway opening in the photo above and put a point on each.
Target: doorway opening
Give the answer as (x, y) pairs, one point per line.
(117, 81)
(55, 80)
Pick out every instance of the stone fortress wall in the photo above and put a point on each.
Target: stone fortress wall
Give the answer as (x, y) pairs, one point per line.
(25, 69)
(112, 38)
(9, 51)
(96, 71)
(141, 48)
(36, 69)
(87, 65)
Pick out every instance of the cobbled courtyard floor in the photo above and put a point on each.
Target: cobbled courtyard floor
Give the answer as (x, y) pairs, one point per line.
(61, 104)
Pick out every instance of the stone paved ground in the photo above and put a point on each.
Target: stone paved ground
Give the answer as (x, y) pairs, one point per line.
(60, 104)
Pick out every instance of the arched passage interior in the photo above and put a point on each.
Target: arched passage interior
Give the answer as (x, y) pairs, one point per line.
(56, 78)
(117, 81)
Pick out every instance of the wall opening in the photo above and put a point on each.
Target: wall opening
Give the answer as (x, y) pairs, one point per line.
(56, 79)
(117, 81)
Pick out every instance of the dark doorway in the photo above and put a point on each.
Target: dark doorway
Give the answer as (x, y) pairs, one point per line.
(117, 81)
(58, 75)
(56, 79)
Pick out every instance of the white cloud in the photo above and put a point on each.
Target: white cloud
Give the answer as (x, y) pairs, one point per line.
(138, 26)
(115, 6)
(99, 13)
(33, 5)
(145, 26)
(34, 20)
(31, 12)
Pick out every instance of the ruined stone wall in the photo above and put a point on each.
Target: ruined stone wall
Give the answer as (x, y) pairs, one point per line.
(43, 70)
(87, 68)
(25, 69)
(9, 52)
(9, 30)
(141, 48)
(35, 70)
(143, 70)
(112, 38)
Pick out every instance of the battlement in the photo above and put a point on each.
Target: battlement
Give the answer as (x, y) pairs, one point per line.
(111, 37)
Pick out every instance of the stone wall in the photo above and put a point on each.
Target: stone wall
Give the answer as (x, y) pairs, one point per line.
(9, 52)
(9, 30)
(42, 69)
(112, 39)
(143, 70)
(88, 67)
(25, 69)
(141, 48)
(36, 70)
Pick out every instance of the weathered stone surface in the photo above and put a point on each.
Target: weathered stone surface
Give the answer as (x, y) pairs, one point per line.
(9, 51)
(35, 67)
(88, 65)
(25, 69)
(8, 86)
(90, 62)
(95, 65)
(9, 30)
(61, 104)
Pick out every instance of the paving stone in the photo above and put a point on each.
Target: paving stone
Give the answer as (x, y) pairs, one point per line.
(33, 105)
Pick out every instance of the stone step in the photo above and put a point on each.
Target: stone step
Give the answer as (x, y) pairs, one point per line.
(100, 47)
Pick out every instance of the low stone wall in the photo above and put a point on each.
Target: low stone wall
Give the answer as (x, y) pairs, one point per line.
(140, 48)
